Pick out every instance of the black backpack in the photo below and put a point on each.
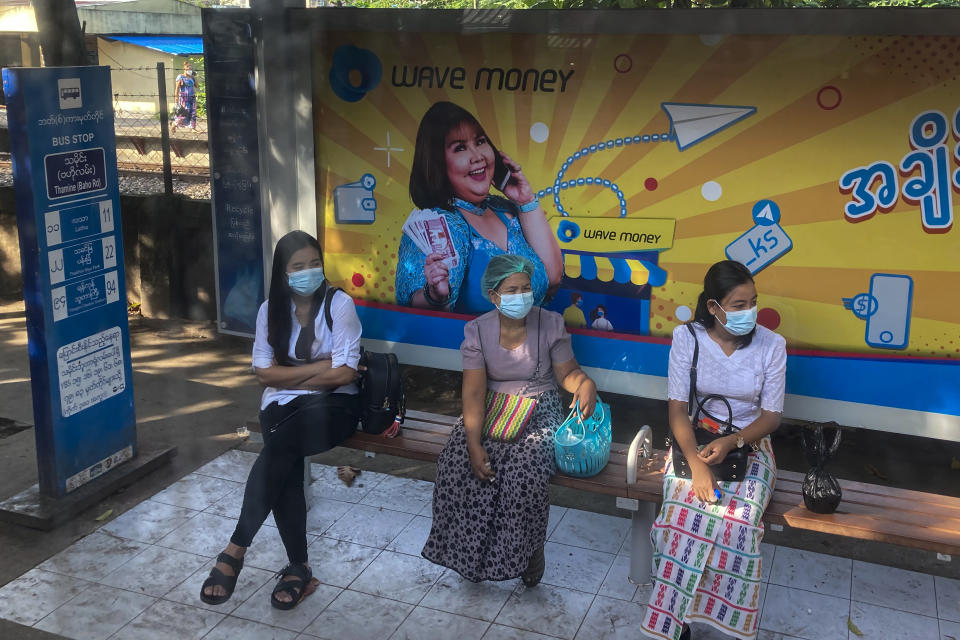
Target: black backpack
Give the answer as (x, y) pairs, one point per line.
(383, 404)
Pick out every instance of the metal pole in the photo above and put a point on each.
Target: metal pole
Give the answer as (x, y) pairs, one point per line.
(164, 130)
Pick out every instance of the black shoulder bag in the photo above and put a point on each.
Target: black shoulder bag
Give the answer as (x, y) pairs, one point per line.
(731, 468)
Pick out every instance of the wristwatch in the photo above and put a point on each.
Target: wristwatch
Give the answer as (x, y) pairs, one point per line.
(739, 441)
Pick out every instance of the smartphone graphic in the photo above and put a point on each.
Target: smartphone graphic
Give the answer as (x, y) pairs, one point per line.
(888, 327)
(501, 174)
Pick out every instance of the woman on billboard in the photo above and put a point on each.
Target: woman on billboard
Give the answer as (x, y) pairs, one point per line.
(454, 166)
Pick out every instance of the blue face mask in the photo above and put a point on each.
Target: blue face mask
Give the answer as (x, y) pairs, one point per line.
(740, 323)
(599, 314)
(305, 282)
(516, 305)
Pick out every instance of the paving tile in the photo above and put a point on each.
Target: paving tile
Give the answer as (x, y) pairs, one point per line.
(155, 571)
(166, 620)
(702, 631)
(323, 513)
(556, 515)
(231, 628)
(804, 614)
(455, 594)
(895, 588)
(37, 593)
(767, 558)
(763, 634)
(644, 591)
(258, 607)
(413, 537)
(234, 465)
(811, 571)
(358, 616)
(612, 619)
(591, 531)
(546, 609)
(230, 505)
(206, 534)
(326, 484)
(428, 624)
(400, 494)
(575, 567)
(948, 599)
(370, 526)
(188, 591)
(338, 562)
(500, 632)
(93, 557)
(949, 630)
(148, 521)
(617, 583)
(195, 491)
(399, 577)
(877, 622)
(95, 613)
(267, 551)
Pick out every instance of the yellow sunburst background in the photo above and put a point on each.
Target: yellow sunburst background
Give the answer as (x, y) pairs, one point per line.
(793, 151)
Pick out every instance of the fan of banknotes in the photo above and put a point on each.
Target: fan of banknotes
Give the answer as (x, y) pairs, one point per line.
(430, 232)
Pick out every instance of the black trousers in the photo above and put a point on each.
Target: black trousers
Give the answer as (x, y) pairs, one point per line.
(304, 426)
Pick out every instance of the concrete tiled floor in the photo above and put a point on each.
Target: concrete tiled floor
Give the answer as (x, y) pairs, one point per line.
(139, 576)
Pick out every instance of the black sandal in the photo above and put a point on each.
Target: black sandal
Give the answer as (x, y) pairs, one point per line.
(296, 588)
(534, 571)
(219, 579)
(685, 633)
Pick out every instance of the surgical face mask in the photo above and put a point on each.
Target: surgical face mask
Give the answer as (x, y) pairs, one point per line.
(740, 323)
(516, 305)
(599, 314)
(305, 282)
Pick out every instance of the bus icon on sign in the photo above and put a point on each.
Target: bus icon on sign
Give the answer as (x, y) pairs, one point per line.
(69, 91)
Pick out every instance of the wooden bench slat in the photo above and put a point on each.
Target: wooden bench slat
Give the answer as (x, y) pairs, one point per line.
(876, 501)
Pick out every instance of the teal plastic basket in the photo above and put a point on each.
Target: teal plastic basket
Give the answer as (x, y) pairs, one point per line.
(582, 447)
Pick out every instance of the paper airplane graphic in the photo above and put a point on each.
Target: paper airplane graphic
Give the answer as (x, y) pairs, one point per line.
(691, 123)
(766, 214)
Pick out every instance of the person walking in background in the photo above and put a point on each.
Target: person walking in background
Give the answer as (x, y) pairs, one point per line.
(186, 88)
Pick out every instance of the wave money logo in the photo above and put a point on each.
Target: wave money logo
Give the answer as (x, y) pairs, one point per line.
(355, 71)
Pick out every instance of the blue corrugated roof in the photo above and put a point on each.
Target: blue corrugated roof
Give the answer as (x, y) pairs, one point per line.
(176, 45)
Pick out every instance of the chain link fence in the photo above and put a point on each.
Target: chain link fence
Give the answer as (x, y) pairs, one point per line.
(161, 121)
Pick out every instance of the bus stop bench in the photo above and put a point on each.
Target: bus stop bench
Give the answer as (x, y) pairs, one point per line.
(868, 512)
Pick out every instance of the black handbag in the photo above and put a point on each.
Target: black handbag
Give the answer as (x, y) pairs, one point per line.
(734, 466)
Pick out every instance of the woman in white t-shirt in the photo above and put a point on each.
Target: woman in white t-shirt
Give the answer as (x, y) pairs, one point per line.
(308, 365)
(707, 535)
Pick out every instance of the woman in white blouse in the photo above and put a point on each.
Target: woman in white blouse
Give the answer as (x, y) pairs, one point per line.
(707, 535)
(309, 368)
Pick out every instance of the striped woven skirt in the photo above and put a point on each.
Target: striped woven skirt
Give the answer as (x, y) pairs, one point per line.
(706, 558)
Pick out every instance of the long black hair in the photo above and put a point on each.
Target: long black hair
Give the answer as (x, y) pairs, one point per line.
(721, 279)
(430, 186)
(279, 322)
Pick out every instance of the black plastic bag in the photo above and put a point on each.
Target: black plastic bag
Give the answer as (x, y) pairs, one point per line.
(821, 491)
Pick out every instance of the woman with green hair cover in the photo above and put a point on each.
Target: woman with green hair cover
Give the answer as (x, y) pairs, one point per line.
(490, 500)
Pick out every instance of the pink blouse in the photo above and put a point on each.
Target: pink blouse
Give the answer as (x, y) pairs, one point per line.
(511, 370)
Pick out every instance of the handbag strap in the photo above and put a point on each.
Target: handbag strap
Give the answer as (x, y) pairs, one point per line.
(695, 406)
(536, 371)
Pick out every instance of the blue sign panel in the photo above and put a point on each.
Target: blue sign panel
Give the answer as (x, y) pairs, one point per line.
(65, 178)
(234, 168)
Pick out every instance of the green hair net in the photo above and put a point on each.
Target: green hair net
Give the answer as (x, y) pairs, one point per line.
(501, 267)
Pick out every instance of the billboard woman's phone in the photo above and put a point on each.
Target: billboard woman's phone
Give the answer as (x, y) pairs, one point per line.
(501, 174)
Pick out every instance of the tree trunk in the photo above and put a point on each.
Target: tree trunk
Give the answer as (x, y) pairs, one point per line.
(61, 39)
